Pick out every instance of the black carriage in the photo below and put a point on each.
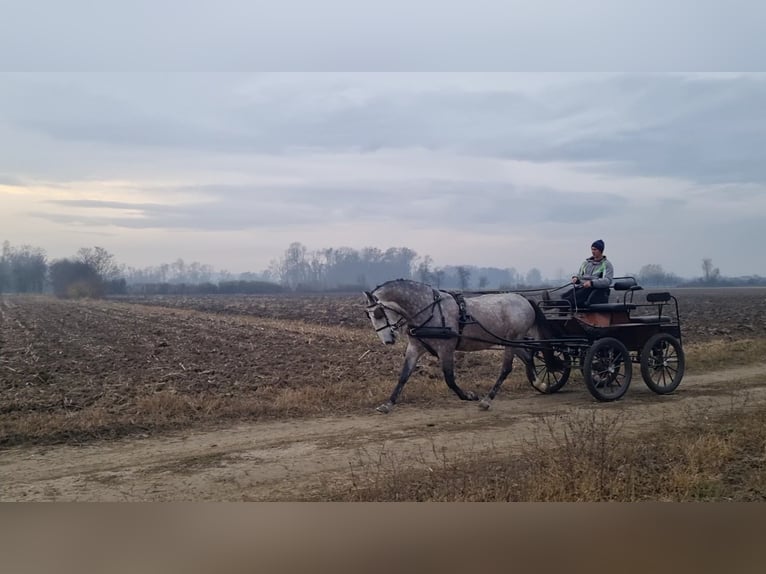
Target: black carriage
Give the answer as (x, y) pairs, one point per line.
(604, 340)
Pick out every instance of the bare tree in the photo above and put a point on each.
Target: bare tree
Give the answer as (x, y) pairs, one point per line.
(651, 274)
(22, 269)
(439, 276)
(709, 273)
(424, 269)
(100, 260)
(463, 275)
(534, 277)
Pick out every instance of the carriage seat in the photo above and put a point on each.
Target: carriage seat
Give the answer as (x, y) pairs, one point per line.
(599, 300)
(626, 284)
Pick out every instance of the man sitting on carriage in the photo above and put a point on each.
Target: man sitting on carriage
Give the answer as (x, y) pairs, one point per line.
(592, 282)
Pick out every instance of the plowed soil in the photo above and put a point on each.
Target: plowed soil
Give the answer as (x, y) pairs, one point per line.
(267, 398)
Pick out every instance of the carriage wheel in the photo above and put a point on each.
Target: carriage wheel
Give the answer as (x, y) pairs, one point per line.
(662, 363)
(548, 381)
(607, 369)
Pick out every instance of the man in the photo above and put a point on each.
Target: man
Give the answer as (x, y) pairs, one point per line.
(594, 278)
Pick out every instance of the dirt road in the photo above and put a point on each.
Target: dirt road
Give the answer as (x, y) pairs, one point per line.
(295, 459)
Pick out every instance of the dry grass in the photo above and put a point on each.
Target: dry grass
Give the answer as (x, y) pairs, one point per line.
(723, 354)
(168, 408)
(589, 457)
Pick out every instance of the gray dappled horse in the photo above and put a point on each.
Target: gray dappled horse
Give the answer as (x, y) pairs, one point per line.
(440, 323)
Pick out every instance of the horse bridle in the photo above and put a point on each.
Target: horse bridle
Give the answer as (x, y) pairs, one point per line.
(403, 318)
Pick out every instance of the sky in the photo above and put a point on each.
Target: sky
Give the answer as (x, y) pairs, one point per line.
(154, 160)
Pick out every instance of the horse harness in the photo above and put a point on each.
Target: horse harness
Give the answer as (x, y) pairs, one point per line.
(422, 331)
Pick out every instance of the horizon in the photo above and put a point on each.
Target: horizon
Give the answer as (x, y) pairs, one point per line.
(218, 272)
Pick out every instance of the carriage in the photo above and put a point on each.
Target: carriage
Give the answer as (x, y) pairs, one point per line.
(605, 339)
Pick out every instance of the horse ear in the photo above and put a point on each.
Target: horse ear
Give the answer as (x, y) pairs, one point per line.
(370, 298)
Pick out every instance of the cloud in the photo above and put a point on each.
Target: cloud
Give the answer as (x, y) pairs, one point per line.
(495, 161)
(458, 204)
(704, 129)
(11, 181)
(341, 34)
(707, 130)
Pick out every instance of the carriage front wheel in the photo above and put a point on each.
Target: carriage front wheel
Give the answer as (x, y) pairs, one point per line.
(545, 379)
(607, 369)
(662, 363)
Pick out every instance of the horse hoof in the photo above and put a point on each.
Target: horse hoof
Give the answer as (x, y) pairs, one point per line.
(471, 396)
(385, 408)
(484, 404)
(542, 385)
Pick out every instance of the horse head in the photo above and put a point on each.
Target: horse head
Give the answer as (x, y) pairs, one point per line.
(385, 320)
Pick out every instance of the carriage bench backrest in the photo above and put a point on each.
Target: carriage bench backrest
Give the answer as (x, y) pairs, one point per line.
(629, 285)
(661, 297)
(626, 284)
(601, 297)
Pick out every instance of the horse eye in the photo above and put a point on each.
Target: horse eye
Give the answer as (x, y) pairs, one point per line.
(378, 313)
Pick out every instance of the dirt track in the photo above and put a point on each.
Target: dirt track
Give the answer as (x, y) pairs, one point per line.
(294, 459)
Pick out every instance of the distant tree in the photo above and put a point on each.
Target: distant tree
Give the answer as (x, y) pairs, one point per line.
(75, 279)
(438, 276)
(23, 269)
(101, 260)
(651, 274)
(5, 268)
(424, 269)
(464, 276)
(534, 277)
(710, 274)
(294, 268)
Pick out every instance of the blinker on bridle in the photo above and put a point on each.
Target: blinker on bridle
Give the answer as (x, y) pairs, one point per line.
(378, 306)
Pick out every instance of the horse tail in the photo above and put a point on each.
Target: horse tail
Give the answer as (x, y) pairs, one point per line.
(545, 332)
(541, 321)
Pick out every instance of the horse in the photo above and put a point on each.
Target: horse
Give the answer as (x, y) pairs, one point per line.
(442, 322)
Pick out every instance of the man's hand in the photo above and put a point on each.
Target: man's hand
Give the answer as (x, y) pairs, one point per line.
(587, 284)
(575, 279)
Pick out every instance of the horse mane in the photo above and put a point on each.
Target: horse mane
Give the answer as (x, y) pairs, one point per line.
(399, 280)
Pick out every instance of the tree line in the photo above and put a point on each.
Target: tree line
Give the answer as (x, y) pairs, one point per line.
(94, 272)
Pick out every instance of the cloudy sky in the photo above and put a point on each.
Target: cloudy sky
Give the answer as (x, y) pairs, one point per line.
(494, 169)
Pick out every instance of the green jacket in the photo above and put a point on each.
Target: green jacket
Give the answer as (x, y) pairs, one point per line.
(600, 273)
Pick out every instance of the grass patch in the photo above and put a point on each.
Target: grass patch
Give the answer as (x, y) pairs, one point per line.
(722, 354)
(588, 457)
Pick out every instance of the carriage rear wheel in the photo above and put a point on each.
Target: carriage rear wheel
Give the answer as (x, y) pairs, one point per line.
(662, 363)
(545, 380)
(607, 369)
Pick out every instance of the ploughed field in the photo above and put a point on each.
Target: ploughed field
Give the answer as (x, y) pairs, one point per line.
(74, 371)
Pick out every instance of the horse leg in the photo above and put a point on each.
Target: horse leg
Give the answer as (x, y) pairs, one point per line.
(448, 368)
(410, 360)
(504, 372)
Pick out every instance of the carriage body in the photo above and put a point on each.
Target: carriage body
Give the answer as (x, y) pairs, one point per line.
(605, 339)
